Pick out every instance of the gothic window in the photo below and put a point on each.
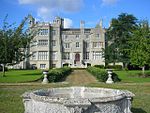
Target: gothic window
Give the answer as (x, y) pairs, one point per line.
(66, 45)
(54, 55)
(97, 36)
(53, 42)
(43, 32)
(77, 36)
(54, 32)
(42, 66)
(77, 44)
(97, 44)
(86, 55)
(97, 55)
(86, 44)
(43, 42)
(66, 55)
(43, 55)
(53, 65)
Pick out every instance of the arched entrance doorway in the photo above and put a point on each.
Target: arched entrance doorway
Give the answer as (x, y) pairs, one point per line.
(77, 58)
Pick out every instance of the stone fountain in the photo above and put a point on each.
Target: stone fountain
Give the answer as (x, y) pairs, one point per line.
(78, 100)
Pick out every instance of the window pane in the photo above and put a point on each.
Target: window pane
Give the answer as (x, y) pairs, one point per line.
(86, 44)
(97, 44)
(43, 32)
(77, 36)
(97, 36)
(43, 42)
(66, 55)
(54, 55)
(66, 45)
(53, 65)
(97, 55)
(42, 66)
(43, 55)
(53, 42)
(54, 32)
(77, 44)
(86, 55)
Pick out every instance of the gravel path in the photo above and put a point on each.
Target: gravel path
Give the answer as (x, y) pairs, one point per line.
(80, 77)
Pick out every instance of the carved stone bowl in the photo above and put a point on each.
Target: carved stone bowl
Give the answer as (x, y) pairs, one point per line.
(78, 100)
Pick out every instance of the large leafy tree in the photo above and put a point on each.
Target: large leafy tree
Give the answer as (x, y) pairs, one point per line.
(140, 46)
(14, 42)
(118, 34)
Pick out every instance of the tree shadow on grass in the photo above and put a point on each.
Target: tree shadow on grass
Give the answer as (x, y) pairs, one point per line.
(138, 110)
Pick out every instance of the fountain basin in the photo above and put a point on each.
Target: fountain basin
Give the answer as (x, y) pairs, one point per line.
(78, 100)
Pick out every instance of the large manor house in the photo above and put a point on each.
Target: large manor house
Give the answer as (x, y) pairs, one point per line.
(55, 46)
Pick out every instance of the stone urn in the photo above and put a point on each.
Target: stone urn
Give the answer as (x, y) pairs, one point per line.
(45, 80)
(109, 80)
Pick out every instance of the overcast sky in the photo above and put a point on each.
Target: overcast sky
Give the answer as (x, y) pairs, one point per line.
(73, 11)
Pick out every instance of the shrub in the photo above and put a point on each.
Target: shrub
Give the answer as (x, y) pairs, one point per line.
(65, 65)
(116, 67)
(56, 75)
(136, 67)
(102, 74)
(100, 66)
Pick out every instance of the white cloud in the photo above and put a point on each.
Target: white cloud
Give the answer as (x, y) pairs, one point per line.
(68, 23)
(109, 2)
(48, 8)
(43, 13)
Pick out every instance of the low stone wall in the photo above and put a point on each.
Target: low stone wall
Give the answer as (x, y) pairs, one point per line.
(78, 100)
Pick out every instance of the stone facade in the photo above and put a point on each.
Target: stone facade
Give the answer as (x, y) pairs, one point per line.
(78, 100)
(56, 46)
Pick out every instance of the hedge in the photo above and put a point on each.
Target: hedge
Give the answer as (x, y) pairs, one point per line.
(102, 74)
(58, 74)
(100, 66)
(116, 67)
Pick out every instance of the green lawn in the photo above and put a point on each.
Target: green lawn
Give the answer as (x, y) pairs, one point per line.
(18, 76)
(132, 76)
(15, 76)
(10, 94)
(141, 101)
(11, 101)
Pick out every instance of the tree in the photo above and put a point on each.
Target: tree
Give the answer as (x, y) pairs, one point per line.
(118, 34)
(140, 46)
(14, 43)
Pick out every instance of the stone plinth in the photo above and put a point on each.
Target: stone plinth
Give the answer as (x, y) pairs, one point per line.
(78, 100)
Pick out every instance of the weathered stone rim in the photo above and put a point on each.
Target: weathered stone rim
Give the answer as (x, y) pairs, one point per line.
(68, 100)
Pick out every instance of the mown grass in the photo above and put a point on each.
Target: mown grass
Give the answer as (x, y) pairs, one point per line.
(18, 76)
(11, 100)
(10, 96)
(15, 76)
(132, 76)
(141, 101)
